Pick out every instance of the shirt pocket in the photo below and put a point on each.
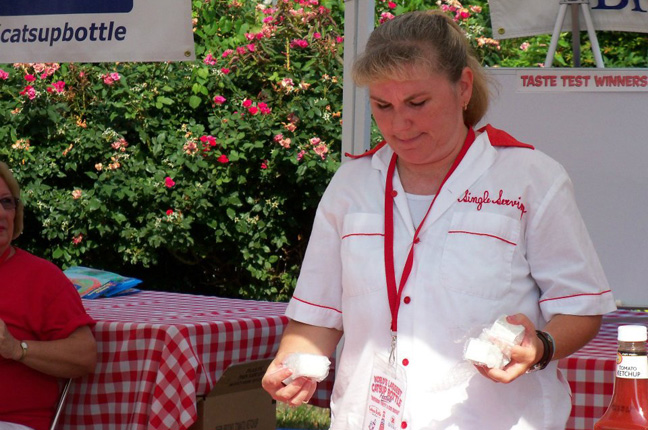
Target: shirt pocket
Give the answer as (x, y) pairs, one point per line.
(363, 267)
(478, 254)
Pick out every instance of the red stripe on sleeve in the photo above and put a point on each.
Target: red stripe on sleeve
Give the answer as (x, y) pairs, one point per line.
(316, 305)
(576, 295)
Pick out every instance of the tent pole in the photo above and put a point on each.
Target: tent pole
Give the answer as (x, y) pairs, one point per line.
(356, 115)
(584, 7)
(575, 34)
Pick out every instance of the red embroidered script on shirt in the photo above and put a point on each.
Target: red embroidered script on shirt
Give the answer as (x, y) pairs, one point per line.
(485, 198)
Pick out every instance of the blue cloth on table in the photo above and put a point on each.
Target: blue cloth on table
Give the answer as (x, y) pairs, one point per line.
(95, 283)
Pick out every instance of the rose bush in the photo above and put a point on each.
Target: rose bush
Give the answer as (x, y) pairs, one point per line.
(202, 176)
(199, 176)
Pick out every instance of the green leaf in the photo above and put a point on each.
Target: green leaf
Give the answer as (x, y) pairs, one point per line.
(165, 100)
(203, 72)
(194, 101)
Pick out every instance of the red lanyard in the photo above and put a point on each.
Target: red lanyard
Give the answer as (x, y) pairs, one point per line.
(394, 293)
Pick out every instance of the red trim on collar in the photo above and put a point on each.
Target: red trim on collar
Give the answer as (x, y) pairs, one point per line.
(366, 153)
(496, 136)
(501, 138)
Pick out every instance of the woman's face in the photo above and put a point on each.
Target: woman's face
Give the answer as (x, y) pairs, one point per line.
(6, 218)
(422, 118)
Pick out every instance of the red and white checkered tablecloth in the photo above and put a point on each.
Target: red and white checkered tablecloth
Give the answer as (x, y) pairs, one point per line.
(590, 371)
(158, 351)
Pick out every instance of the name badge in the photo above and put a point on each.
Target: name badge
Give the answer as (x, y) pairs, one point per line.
(386, 396)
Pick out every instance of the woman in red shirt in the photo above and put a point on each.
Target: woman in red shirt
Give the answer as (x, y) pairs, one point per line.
(45, 333)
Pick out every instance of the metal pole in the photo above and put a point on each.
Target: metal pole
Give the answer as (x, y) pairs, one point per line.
(575, 10)
(584, 6)
(356, 114)
(555, 35)
(596, 49)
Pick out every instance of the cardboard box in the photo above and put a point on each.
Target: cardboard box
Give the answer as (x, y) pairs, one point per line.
(237, 401)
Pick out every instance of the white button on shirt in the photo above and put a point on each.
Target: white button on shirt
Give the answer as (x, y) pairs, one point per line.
(504, 236)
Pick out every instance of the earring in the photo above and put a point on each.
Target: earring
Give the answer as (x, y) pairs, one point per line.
(465, 106)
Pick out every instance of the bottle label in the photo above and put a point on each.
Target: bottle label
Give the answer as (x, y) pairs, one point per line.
(632, 366)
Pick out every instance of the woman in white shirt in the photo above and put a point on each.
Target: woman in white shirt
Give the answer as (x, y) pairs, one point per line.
(431, 237)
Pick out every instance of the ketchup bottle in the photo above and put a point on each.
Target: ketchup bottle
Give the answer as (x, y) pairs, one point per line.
(628, 409)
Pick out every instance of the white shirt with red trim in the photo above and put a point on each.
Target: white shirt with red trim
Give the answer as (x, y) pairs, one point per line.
(504, 236)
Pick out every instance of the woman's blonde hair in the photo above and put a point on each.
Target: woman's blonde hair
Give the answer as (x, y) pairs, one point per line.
(14, 189)
(428, 39)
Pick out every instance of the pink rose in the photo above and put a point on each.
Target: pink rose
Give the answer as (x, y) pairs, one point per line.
(59, 86)
(29, 91)
(298, 43)
(209, 60)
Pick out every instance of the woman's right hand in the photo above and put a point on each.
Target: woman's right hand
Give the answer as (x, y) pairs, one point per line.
(294, 394)
(8, 343)
(304, 338)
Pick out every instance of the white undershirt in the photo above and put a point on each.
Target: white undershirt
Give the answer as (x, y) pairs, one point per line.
(418, 206)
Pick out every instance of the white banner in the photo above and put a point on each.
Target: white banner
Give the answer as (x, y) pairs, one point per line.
(47, 31)
(582, 80)
(518, 18)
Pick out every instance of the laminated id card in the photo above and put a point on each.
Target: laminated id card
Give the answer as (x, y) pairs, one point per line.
(386, 396)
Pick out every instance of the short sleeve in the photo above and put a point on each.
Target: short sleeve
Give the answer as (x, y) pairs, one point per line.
(317, 299)
(64, 310)
(563, 259)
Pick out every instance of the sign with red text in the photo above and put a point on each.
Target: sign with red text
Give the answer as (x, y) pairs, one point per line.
(593, 122)
(44, 31)
(518, 18)
(609, 80)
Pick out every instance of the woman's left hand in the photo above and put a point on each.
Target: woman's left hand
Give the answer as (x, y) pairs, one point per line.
(523, 356)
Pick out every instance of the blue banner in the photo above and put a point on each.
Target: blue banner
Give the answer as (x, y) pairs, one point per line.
(63, 7)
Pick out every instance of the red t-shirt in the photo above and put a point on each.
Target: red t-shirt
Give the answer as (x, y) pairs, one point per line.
(37, 302)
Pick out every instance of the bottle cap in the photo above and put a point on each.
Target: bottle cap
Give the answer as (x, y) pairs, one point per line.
(633, 333)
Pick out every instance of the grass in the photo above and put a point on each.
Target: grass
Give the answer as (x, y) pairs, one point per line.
(303, 417)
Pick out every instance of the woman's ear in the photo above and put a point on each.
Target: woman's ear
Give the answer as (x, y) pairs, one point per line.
(465, 85)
